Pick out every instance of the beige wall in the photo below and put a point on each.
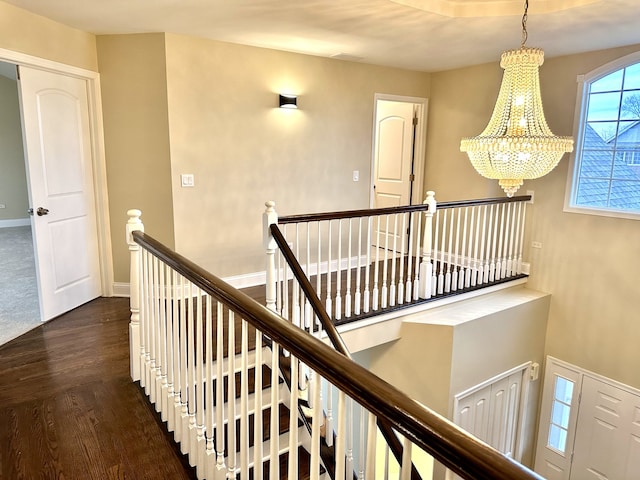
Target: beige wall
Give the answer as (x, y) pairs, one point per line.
(588, 263)
(24, 32)
(447, 350)
(226, 130)
(13, 178)
(136, 132)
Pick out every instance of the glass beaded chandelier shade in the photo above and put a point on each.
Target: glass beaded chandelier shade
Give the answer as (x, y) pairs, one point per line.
(517, 144)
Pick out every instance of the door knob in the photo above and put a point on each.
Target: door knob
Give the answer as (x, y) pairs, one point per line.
(42, 211)
(30, 211)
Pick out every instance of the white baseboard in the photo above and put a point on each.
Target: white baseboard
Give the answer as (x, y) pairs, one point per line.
(15, 222)
(121, 289)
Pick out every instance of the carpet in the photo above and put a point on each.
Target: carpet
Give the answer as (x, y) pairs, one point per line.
(19, 305)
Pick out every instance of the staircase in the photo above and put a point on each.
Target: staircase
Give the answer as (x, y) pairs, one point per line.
(223, 371)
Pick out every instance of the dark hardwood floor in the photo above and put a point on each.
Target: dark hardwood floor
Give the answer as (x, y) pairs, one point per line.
(68, 407)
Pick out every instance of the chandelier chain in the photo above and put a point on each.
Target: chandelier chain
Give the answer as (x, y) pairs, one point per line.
(524, 24)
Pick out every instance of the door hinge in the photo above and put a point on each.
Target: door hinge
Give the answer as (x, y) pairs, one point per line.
(412, 178)
(18, 72)
(415, 121)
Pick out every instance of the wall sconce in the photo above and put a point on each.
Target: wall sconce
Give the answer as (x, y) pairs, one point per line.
(288, 101)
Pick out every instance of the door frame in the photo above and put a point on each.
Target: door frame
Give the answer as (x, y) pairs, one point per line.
(101, 200)
(419, 144)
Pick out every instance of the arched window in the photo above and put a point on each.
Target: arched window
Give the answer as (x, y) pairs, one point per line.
(604, 178)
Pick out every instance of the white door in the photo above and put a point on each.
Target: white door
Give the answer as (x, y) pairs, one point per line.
(55, 118)
(607, 444)
(558, 416)
(394, 139)
(393, 153)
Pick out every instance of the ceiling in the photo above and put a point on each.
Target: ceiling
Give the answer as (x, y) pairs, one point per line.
(426, 35)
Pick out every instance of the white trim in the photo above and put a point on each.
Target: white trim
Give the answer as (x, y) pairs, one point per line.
(579, 117)
(457, 397)
(15, 222)
(121, 289)
(419, 153)
(98, 152)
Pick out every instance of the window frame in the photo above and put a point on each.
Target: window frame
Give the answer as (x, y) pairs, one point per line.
(582, 98)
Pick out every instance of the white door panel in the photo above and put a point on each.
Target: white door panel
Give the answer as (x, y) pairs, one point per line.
(55, 116)
(606, 445)
(393, 156)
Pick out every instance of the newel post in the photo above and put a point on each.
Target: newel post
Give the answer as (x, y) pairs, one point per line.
(270, 217)
(426, 267)
(134, 224)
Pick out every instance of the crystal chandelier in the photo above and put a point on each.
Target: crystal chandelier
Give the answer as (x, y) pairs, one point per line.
(517, 143)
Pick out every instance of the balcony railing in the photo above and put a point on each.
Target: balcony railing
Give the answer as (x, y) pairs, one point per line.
(366, 262)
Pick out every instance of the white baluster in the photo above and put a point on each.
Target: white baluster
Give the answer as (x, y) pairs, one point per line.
(162, 305)
(257, 425)
(492, 267)
(363, 444)
(208, 386)
(308, 316)
(463, 260)
(469, 272)
(191, 372)
(184, 376)
(481, 258)
(403, 240)
(340, 454)
(447, 278)
(458, 265)
(385, 266)
(220, 466)
(316, 426)
(319, 269)
(392, 283)
(329, 301)
(367, 270)
(347, 297)
(274, 435)
(339, 274)
(500, 240)
(442, 253)
(406, 460)
(476, 242)
(376, 268)
(358, 294)
(521, 246)
(409, 285)
(349, 440)
(244, 401)
(293, 423)
(507, 239)
(512, 237)
(417, 273)
(487, 261)
(200, 378)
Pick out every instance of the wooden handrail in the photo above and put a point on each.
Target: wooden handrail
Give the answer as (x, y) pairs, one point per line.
(439, 437)
(372, 212)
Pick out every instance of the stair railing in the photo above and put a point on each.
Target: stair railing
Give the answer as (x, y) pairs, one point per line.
(326, 325)
(194, 337)
(366, 262)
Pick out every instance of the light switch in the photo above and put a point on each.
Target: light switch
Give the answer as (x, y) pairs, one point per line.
(356, 175)
(187, 180)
